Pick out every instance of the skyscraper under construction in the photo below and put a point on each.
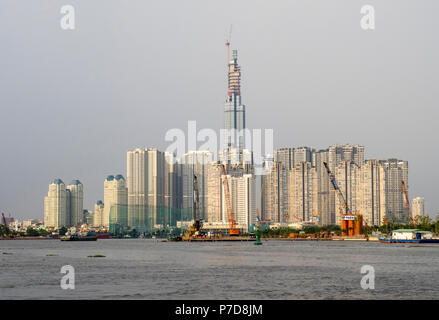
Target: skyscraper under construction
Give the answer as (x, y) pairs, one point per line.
(234, 110)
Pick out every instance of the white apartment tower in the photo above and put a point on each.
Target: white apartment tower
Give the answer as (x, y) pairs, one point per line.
(395, 171)
(371, 193)
(243, 191)
(302, 202)
(98, 215)
(214, 193)
(55, 205)
(275, 193)
(418, 207)
(146, 187)
(116, 201)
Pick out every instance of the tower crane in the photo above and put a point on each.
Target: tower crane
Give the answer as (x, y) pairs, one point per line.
(195, 229)
(352, 227)
(197, 218)
(407, 201)
(7, 231)
(337, 189)
(232, 222)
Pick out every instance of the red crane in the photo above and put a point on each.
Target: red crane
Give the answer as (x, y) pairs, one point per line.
(232, 222)
(407, 201)
(6, 225)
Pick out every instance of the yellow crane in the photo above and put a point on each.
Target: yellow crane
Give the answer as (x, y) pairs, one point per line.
(195, 229)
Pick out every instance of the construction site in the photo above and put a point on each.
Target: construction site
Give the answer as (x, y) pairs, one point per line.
(196, 232)
(352, 225)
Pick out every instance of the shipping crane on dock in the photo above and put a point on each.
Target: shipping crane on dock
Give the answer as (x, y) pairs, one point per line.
(407, 201)
(232, 222)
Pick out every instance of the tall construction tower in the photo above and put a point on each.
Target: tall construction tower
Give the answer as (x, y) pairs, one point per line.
(234, 110)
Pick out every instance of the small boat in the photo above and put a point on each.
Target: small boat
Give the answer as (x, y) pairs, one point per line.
(175, 238)
(409, 236)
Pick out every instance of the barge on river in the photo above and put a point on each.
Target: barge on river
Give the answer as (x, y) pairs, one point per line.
(86, 236)
(409, 236)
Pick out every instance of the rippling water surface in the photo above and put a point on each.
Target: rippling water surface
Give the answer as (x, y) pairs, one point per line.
(151, 269)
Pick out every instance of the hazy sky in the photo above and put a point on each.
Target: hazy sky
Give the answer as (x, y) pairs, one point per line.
(73, 102)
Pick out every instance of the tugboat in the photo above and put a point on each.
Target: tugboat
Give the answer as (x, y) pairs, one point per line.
(79, 236)
(409, 236)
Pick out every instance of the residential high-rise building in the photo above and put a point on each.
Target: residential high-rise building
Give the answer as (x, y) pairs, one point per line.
(325, 209)
(55, 205)
(137, 167)
(242, 189)
(285, 156)
(214, 193)
(195, 163)
(146, 188)
(234, 110)
(395, 171)
(76, 203)
(303, 154)
(302, 204)
(418, 207)
(327, 197)
(116, 201)
(338, 153)
(173, 190)
(346, 174)
(371, 193)
(98, 215)
(275, 193)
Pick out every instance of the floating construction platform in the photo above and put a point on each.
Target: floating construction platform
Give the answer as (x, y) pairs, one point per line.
(214, 239)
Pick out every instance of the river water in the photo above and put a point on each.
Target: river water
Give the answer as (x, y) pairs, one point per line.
(151, 269)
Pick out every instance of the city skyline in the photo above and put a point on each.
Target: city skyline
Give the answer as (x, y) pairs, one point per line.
(91, 156)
